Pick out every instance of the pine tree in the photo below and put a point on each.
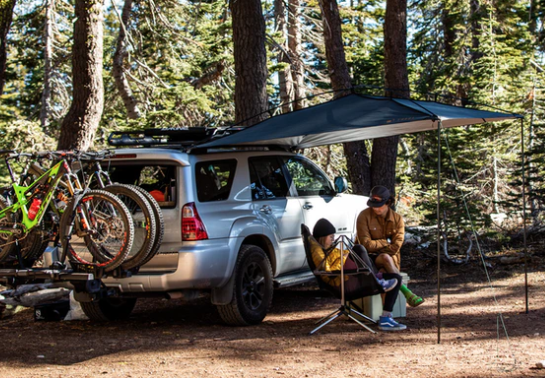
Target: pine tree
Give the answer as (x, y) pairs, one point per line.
(81, 122)
(6, 15)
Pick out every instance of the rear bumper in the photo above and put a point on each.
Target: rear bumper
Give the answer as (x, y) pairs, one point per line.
(197, 265)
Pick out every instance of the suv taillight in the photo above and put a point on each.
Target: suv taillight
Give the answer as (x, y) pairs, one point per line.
(192, 225)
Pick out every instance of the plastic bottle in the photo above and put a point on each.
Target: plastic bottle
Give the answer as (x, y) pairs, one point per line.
(34, 207)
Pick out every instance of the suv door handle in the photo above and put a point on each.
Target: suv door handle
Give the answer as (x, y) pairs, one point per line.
(307, 206)
(266, 209)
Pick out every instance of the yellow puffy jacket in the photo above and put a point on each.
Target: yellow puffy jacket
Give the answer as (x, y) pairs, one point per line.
(331, 263)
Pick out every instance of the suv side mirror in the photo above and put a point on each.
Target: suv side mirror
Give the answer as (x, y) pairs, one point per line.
(341, 185)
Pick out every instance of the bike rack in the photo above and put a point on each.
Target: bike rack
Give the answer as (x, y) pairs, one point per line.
(52, 274)
(86, 280)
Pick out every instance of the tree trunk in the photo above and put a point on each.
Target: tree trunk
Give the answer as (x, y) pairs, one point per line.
(450, 20)
(118, 72)
(250, 61)
(6, 16)
(449, 31)
(334, 49)
(384, 156)
(80, 124)
(357, 158)
(476, 30)
(285, 83)
(45, 110)
(294, 45)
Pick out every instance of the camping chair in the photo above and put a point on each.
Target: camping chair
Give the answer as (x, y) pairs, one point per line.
(368, 284)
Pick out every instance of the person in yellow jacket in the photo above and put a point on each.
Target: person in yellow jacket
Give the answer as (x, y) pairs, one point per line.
(381, 231)
(324, 233)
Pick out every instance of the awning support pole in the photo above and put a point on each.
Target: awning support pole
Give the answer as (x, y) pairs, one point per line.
(439, 125)
(524, 212)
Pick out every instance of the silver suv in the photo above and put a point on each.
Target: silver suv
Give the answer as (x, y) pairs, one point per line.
(232, 225)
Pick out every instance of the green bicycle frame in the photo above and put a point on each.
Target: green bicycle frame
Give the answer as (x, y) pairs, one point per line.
(49, 180)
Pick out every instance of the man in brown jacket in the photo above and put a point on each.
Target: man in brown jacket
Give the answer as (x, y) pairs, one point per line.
(381, 231)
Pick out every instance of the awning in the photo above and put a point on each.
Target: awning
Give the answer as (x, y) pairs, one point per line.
(355, 117)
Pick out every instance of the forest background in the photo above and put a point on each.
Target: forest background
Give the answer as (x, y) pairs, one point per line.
(175, 63)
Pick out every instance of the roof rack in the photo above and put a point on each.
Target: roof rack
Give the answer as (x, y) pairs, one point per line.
(160, 137)
(168, 137)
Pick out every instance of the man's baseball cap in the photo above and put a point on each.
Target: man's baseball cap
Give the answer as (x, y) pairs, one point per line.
(379, 196)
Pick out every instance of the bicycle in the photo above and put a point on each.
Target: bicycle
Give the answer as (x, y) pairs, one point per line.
(94, 218)
(146, 212)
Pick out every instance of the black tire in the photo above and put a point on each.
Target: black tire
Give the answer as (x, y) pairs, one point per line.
(159, 221)
(108, 309)
(253, 288)
(7, 247)
(112, 226)
(144, 228)
(33, 246)
(35, 243)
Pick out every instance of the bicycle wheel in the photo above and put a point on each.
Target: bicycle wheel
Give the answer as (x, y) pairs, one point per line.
(143, 222)
(107, 240)
(33, 246)
(159, 221)
(7, 245)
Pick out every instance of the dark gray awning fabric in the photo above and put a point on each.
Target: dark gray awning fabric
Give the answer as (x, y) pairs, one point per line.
(352, 118)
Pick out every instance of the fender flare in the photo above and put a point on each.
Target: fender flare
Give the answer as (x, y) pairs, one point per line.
(223, 295)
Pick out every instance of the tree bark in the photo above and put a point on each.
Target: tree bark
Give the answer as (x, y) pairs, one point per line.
(449, 31)
(121, 82)
(334, 51)
(357, 158)
(285, 83)
(6, 16)
(384, 156)
(450, 20)
(476, 30)
(80, 124)
(45, 110)
(294, 46)
(250, 61)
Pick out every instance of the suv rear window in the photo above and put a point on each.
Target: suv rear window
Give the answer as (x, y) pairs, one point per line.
(214, 179)
(158, 180)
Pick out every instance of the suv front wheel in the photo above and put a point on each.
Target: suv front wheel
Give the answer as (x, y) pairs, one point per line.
(253, 288)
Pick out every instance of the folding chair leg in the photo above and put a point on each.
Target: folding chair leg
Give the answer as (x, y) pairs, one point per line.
(338, 313)
(352, 310)
(360, 323)
(329, 315)
(342, 311)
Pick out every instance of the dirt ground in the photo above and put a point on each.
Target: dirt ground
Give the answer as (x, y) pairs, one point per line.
(170, 339)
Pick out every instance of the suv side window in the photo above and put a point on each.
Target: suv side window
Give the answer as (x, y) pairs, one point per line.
(267, 178)
(214, 179)
(308, 180)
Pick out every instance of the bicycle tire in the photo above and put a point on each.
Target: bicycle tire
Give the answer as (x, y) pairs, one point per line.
(7, 247)
(34, 245)
(159, 221)
(117, 231)
(143, 223)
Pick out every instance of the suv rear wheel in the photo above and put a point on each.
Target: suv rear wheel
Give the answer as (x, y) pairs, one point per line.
(253, 288)
(106, 309)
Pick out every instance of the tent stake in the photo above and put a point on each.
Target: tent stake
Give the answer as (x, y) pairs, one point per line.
(439, 125)
(524, 213)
